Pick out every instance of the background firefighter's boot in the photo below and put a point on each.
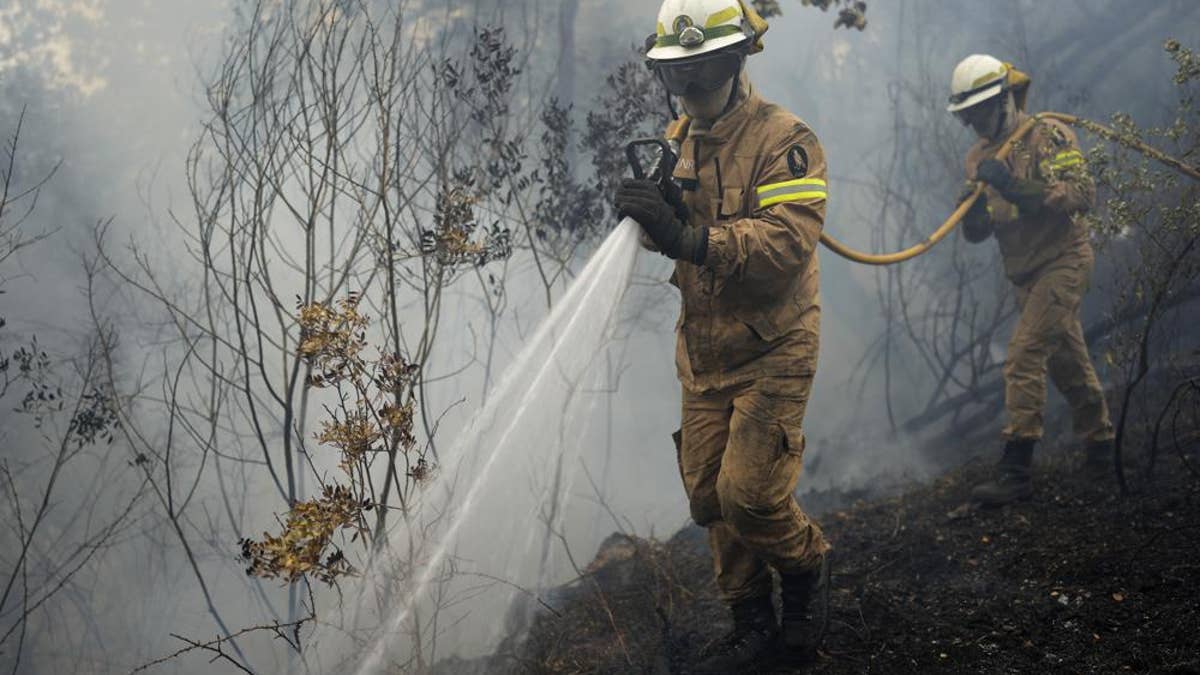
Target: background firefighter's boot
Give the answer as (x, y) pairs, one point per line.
(1014, 476)
(1098, 460)
(753, 635)
(805, 615)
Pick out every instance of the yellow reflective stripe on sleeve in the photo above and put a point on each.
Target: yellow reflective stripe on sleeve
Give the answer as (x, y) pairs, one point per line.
(727, 14)
(799, 182)
(1067, 159)
(799, 190)
(1063, 161)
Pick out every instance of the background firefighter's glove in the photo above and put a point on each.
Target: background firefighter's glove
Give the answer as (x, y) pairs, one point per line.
(977, 223)
(1028, 195)
(995, 173)
(642, 200)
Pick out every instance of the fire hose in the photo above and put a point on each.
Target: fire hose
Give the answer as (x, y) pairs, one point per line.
(1005, 150)
(678, 130)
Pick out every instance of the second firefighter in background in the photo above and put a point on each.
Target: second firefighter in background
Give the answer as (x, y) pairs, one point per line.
(1030, 205)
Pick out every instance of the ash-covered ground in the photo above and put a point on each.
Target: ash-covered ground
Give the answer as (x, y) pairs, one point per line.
(1077, 580)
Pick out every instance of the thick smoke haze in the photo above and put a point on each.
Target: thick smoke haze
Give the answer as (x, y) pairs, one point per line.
(113, 97)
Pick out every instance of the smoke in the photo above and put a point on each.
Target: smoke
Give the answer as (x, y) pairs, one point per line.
(112, 90)
(863, 94)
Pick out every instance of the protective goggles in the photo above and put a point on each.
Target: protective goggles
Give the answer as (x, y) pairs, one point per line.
(957, 100)
(980, 112)
(700, 74)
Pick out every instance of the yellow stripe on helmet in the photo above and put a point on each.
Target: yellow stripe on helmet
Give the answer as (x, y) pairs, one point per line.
(718, 18)
(990, 77)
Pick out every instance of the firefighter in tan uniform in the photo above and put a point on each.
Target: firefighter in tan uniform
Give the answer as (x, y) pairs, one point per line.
(1029, 205)
(744, 229)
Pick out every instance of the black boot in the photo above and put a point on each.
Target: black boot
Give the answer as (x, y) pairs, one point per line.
(805, 615)
(754, 632)
(1098, 460)
(1013, 479)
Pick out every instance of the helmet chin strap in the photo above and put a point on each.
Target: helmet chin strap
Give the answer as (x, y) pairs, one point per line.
(670, 99)
(1005, 120)
(733, 89)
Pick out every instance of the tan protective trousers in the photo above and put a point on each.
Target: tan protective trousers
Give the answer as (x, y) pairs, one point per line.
(1049, 337)
(740, 454)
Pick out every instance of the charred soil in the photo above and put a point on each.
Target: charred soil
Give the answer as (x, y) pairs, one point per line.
(1077, 580)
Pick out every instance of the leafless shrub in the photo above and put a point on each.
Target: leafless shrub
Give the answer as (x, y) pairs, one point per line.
(360, 160)
(1150, 223)
(57, 496)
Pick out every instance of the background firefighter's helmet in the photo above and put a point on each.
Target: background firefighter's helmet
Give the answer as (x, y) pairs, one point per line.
(981, 77)
(976, 79)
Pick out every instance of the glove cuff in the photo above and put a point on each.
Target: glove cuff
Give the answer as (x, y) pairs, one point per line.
(701, 249)
(690, 246)
(1028, 195)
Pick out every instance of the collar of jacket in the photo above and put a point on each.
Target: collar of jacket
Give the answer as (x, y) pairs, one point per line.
(990, 145)
(720, 130)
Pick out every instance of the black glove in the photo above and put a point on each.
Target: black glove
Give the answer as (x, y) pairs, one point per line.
(995, 173)
(673, 194)
(1028, 195)
(642, 200)
(977, 223)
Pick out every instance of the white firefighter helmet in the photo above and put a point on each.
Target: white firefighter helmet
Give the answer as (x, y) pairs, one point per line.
(977, 78)
(688, 28)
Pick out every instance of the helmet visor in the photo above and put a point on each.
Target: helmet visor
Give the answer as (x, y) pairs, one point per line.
(966, 99)
(699, 75)
(981, 116)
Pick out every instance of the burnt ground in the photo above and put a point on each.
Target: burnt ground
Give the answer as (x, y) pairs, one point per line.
(1077, 580)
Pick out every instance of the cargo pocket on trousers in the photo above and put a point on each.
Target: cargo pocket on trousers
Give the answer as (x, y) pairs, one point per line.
(794, 441)
(789, 453)
(764, 490)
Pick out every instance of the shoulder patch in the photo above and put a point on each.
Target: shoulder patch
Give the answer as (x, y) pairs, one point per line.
(1052, 134)
(797, 159)
(1058, 137)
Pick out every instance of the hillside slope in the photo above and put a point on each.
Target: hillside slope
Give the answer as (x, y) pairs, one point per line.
(1076, 580)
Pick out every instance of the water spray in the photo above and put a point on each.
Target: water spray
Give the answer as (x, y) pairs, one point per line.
(564, 344)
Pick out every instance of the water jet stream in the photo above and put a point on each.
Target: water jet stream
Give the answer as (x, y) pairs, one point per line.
(565, 344)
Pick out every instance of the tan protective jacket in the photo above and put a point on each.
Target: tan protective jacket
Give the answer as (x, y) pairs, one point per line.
(756, 179)
(1028, 243)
